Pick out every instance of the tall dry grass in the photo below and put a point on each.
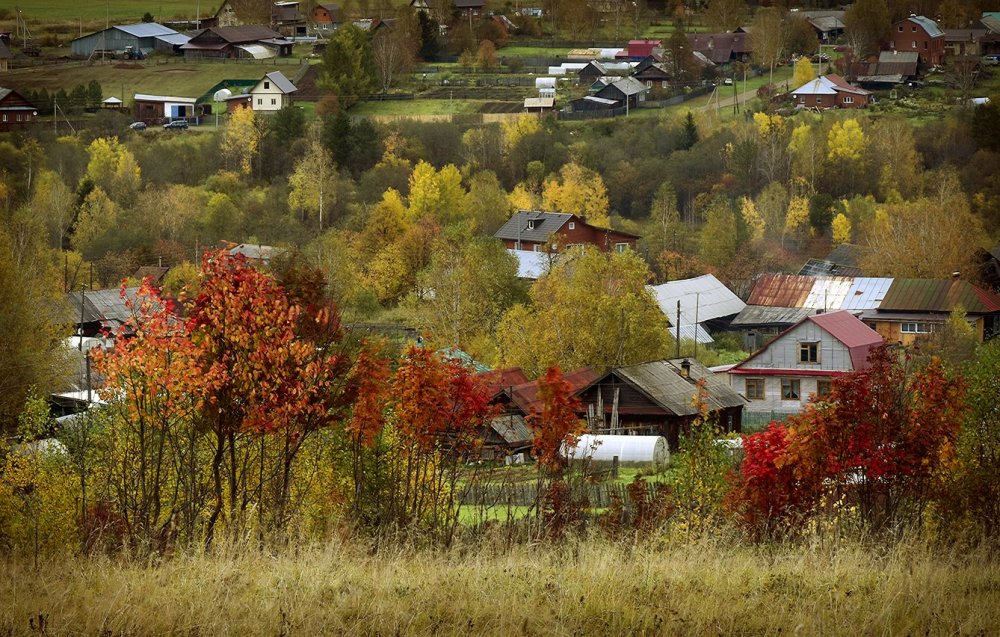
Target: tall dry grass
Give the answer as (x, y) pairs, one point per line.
(580, 588)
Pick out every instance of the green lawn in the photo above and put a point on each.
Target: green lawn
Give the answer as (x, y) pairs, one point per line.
(416, 107)
(118, 11)
(175, 78)
(533, 51)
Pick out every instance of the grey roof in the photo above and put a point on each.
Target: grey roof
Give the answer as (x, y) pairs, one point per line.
(763, 315)
(512, 428)
(255, 252)
(532, 225)
(866, 293)
(145, 29)
(662, 382)
(281, 82)
(826, 23)
(104, 306)
(930, 26)
(630, 86)
(712, 298)
(596, 66)
(174, 38)
(991, 23)
(823, 267)
(899, 57)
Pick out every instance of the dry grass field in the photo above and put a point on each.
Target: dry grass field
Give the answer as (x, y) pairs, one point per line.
(588, 588)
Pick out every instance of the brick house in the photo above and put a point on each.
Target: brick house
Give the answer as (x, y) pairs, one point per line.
(539, 231)
(922, 35)
(830, 91)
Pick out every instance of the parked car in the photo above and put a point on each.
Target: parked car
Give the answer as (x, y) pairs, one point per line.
(991, 60)
(177, 123)
(137, 125)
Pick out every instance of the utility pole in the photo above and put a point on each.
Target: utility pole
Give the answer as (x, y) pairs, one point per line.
(678, 330)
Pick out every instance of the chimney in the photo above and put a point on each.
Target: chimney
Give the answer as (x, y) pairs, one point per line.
(685, 368)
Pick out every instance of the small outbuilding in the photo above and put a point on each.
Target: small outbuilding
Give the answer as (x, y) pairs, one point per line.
(154, 109)
(272, 93)
(606, 448)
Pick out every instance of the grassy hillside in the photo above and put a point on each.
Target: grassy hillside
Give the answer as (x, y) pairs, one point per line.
(174, 78)
(38, 11)
(594, 588)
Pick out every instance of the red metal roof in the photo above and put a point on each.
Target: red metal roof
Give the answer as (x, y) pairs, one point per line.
(525, 396)
(502, 379)
(781, 290)
(846, 328)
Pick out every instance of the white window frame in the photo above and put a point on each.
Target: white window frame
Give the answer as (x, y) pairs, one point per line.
(916, 327)
(572, 225)
(621, 247)
(848, 99)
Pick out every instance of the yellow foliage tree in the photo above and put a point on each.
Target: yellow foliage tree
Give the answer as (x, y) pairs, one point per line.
(242, 140)
(514, 130)
(753, 219)
(841, 228)
(435, 193)
(313, 183)
(846, 141)
(578, 191)
(592, 310)
(804, 72)
(97, 217)
(523, 199)
(797, 218)
(114, 169)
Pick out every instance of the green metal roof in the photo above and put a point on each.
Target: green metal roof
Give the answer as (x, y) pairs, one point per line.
(938, 295)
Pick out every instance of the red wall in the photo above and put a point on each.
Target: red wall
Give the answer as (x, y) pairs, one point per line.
(906, 33)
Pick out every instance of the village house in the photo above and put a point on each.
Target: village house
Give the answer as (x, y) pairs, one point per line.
(539, 231)
(828, 24)
(803, 361)
(251, 41)
(962, 42)
(920, 35)
(653, 73)
(287, 20)
(326, 17)
(659, 398)
(722, 48)
(5, 57)
(15, 111)
(830, 91)
(272, 93)
(914, 307)
(628, 92)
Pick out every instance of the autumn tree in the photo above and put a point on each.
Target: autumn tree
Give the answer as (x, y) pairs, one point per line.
(681, 61)
(796, 220)
(804, 72)
(313, 184)
(767, 38)
(392, 55)
(601, 300)
(435, 193)
(883, 433)
(718, 239)
(579, 191)
(556, 424)
(866, 23)
(486, 56)
(841, 227)
(723, 16)
(241, 143)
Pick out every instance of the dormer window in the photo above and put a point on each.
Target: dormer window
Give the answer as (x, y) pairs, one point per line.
(531, 224)
(267, 85)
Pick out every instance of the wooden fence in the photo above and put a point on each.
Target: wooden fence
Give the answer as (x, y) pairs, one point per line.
(598, 496)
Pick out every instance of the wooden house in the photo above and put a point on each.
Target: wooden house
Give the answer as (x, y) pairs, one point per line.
(830, 91)
(803, 361)
(962, 42)
(722, 48)
(659, 398)
(913, 307)
(652, 73)
(5, 57)
(251, 41)
(15, 111)
(94, 312)
(272, 93)
(144, 36)
(920, 35)
(628, 92)
(326, 16)
(287, 19)
(469, 9)
(540, 231)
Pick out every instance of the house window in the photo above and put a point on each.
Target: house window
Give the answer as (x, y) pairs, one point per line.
(916, 328)
(663, 84)
(925, 45)
(848, 99)
(260, 101)
(790, 389)
(572, 225)
(18, 116)
(5, 117)
(900, 28)
(267, 85)
(273, 101)
(913, 29)
(531, 224)
(913, 44)
(823, 388)
(535, 247)
(649, 83)
(621, 247)
(809, 352)
(755, 389)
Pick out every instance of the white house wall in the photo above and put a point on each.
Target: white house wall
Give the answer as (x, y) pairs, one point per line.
(263, 98)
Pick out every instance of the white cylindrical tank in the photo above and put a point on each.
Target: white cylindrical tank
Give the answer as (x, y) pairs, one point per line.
(604, 448)
(545, 82)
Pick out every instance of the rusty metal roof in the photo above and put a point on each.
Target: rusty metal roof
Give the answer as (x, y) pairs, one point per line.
(938, 295)
(781, 290)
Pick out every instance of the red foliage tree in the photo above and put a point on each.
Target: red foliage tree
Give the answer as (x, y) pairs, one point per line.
(556, 423)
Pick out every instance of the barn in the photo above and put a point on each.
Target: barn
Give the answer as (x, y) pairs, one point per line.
(144, 36)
